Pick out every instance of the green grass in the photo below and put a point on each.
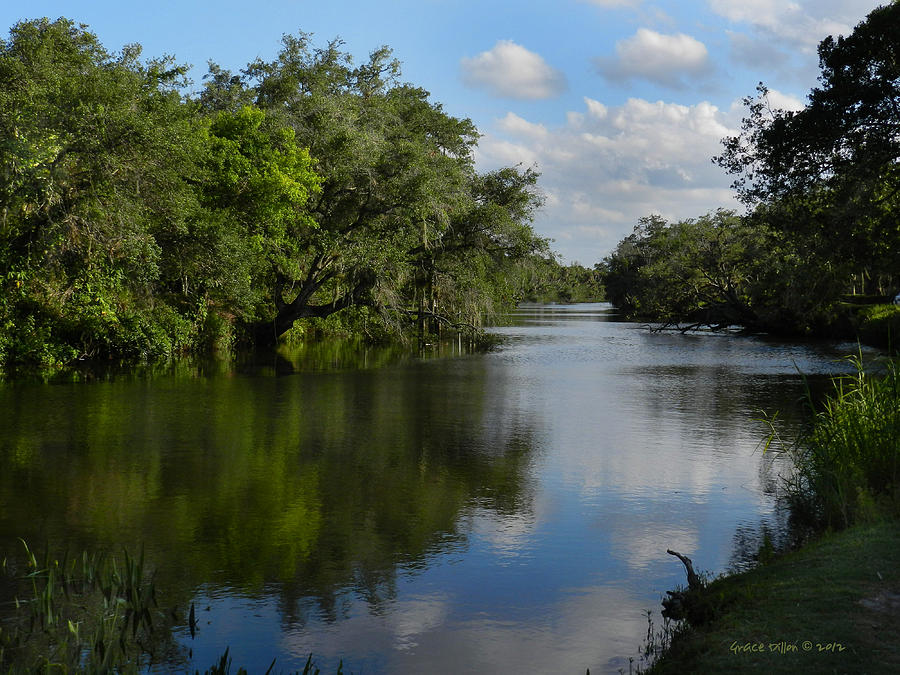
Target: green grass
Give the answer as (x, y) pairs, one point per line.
(832, 606)
(879, 325)
(848, 466)
(91, 613)
(829, 607)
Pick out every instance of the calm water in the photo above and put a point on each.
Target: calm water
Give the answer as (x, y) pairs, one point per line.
(501, 512)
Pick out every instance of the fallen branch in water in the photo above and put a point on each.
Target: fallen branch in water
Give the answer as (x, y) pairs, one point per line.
(715, 327)
(457, 325)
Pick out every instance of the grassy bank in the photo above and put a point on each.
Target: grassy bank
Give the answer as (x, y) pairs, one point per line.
(834, 605)
(830, 607)
(878, 325)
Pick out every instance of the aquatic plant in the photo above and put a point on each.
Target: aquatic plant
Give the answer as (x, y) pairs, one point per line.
(848, 464)
(92, 612)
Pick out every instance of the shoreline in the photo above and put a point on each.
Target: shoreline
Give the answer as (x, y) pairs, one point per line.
(833, 605)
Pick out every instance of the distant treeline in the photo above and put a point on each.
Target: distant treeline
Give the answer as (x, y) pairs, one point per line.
(138, 222)
(823, 187)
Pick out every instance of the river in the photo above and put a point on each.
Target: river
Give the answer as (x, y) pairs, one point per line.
(498, 512)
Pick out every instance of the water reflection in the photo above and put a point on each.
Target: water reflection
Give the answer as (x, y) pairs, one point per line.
(313, 487)
(507, 511)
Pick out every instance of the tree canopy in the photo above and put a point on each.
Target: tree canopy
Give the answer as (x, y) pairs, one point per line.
(138, 221)
(97, 155)
(829, 171)
(823, 188)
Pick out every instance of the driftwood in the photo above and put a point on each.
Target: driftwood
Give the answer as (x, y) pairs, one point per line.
(685, 604)
(694, 583)
(714, 326)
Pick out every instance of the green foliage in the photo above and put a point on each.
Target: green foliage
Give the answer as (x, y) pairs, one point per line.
(136, 223)
(256, 184)
(829, 172)
(879, 325)
(549, 281)
(97, 152)
(402, 222)
(90, 613)
(717, 270)
(848, 467)
(475, 265)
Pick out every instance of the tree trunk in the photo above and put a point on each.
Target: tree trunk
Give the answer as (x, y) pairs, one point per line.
(266, 333)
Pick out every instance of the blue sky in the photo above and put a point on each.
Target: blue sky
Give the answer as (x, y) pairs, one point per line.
(619, 103)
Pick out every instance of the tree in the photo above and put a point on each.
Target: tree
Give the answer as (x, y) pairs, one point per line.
(95, 153)
(718, 270)
(474, 264)
(829, 173)
(393, 165)
(622, 269)
(135, 222)
(399, 200)
(256, 186)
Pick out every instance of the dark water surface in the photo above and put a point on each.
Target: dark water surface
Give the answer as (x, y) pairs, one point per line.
(500, 512)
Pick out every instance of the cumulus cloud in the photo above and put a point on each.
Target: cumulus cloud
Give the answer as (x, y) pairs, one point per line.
(668, 60)
(511, 71)
(607, 166)
(781, 101)
(518, 126)
(802, 24)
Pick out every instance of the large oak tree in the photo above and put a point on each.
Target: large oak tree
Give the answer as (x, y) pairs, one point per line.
(399, 195)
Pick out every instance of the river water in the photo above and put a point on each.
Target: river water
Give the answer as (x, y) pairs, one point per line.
(499, 512)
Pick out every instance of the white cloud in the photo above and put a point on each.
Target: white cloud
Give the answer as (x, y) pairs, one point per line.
(595, 109)
(607, 166)
(518, 126)
(803, 23)
(511, 71)
(782, 101)
(664, 59)
(498, 152)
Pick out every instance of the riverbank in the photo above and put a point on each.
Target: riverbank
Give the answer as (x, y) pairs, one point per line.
(878, 325)
(831, 606)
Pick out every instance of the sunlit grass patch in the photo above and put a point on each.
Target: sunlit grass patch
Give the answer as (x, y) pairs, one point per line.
(879, 325)
(824, 608)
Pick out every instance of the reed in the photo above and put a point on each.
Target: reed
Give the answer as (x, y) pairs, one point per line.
(848, 465)
(91, 613)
